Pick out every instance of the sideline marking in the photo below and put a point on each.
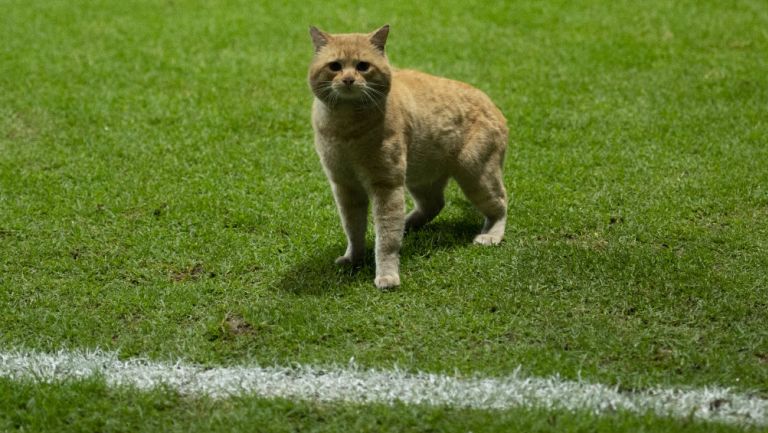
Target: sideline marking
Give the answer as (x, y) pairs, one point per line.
(356, 385)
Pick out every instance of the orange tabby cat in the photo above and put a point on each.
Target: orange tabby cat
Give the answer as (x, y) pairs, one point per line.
(379, 130)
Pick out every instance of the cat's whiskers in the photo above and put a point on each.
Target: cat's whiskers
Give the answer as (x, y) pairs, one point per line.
(370, 94)
(327, 93)
(365, 100)
(376, 92)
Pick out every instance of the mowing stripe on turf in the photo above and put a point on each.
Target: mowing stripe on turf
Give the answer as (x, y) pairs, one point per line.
(356, 385)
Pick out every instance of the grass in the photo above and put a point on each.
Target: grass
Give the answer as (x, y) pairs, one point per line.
(159, 193)
(48, 408)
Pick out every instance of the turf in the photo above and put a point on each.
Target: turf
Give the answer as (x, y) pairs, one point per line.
(160, 196)
(90, 406)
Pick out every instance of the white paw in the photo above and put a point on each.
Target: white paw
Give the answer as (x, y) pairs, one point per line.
(486, 239)
(348, 261)
(387, 281)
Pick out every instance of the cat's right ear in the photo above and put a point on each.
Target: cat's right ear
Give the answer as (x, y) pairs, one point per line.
(379, 37)
(319, 38)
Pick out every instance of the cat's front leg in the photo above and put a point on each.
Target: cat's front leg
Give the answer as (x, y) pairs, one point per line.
(389, 221)
(352, 203)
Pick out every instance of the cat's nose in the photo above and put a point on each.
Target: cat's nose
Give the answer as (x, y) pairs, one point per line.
(348, 81)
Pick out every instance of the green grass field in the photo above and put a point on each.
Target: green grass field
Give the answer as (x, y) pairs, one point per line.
(160, 196)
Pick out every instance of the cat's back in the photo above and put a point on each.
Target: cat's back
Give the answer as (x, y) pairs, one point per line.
(417, 81)
(443, 100)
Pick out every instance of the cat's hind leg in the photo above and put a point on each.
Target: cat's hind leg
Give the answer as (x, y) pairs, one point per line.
(429, 201)
(353, 209)
(486, 191)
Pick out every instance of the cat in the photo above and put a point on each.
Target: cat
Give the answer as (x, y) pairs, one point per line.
(380, 130)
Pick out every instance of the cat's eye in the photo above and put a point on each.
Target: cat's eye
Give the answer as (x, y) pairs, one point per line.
(363, 66)
(334, 66)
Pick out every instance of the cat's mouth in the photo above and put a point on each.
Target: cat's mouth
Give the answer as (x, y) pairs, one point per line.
(359, 94)
(349, 91)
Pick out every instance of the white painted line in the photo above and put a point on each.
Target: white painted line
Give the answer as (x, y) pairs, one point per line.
(380, 386)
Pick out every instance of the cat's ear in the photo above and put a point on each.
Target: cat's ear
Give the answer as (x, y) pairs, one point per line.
(379, 37)
(319, 37)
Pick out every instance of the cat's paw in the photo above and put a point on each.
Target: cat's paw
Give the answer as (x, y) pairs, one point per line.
(486, 239)
(387, 281)
(348, 261)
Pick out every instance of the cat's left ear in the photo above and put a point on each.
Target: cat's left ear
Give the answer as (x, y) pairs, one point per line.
(379, 37)
(319, 37)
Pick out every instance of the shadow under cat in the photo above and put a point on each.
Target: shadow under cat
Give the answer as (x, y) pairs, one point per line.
(318, 275)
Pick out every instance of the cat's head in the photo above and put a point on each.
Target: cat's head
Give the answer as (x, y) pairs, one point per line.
(350, 69)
